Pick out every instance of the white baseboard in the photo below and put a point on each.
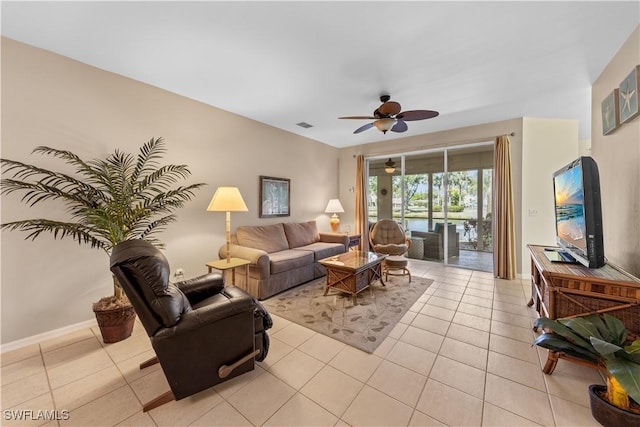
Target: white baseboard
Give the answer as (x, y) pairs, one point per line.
(35, 339)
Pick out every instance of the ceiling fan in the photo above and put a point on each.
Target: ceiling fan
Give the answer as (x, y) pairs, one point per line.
(389, 117)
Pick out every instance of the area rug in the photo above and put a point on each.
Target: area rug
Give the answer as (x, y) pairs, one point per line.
(364, 325)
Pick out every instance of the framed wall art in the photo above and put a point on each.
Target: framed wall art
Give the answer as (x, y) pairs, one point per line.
(274, 197)
(610, 110)
(629, 95)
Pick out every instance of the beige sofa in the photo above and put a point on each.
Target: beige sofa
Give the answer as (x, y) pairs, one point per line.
(282, 255)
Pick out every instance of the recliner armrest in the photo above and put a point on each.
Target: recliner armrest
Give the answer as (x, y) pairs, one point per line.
(227, 304)
(201, 287)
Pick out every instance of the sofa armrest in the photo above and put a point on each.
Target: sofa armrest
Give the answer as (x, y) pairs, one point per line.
(335, 238)
(257, 257)
(252, 255)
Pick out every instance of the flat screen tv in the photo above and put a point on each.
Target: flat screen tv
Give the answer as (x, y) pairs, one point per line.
(576, 188)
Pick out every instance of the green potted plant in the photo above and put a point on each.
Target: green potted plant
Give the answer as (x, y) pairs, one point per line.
(602, 340)
(108, 200)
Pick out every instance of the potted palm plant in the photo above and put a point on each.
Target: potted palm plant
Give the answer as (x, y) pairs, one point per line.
(602, 340)
(108, 200)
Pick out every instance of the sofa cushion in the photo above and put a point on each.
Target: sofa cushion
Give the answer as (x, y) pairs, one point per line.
(289, 260)
(322, 250)
(269, 238)
(301, 233)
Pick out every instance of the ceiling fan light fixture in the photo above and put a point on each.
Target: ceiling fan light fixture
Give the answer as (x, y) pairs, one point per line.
(384, 125)
(390, 117)
(390, 166)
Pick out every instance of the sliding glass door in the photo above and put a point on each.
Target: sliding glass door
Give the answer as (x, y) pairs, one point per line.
(443, 200)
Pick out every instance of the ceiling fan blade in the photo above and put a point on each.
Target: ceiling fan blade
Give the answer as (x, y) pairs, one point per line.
(363, 128)
(400, 126)
(417, 115)
(358, 117)
(389, 108)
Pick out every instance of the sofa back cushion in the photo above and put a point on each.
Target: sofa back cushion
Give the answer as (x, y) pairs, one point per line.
(301, 233)
(269, 238)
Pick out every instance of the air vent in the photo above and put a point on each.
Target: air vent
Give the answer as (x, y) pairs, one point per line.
(304, 125)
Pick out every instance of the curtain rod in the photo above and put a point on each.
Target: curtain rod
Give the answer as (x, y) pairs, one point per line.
(447, 144)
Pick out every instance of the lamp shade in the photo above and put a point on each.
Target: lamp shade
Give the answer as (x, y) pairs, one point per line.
(227, 199)
(385, 124)
(390, 166)
(334, 206)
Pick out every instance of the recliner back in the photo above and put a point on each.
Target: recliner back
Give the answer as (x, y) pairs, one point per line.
(143, 272)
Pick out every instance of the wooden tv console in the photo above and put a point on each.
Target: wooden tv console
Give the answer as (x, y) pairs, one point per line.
(563, 290)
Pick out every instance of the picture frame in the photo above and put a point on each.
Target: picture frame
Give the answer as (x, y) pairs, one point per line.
(628, 101)
(275, 197)
(610, 110)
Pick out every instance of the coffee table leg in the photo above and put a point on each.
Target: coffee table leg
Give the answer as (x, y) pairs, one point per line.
(377, 273)
(326, 286)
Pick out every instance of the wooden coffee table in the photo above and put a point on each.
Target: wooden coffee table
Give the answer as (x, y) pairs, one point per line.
(353, 272)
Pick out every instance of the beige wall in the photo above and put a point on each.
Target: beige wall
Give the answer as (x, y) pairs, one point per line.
(618, 158)
(51, 100)
(548, 145)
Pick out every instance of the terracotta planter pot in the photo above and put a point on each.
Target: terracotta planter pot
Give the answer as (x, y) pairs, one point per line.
(607, 414)
(116, 324)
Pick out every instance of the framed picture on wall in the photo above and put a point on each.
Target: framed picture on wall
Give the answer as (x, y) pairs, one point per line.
(610, 110)
(629, 95)
(274, 197)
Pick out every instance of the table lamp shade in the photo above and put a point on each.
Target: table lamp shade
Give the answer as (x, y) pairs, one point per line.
(227, 199)
(334, 206)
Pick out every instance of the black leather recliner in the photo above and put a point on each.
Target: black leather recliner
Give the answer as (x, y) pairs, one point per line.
(203, 333)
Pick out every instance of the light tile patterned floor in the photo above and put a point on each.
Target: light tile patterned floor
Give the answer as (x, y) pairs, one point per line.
(462, 356)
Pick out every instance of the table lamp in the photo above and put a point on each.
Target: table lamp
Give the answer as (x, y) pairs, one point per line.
(334, 207)
(227, 199)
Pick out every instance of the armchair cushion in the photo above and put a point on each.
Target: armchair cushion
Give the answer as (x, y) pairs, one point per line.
(387, 237)
(391, 248)
(269, 238)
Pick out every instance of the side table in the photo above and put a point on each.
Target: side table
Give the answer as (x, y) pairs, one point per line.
(233, 263)
(354, 241)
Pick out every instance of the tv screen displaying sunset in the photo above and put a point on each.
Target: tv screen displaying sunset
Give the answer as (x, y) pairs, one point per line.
(569, 201)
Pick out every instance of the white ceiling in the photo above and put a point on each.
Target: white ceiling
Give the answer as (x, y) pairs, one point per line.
(282, 63)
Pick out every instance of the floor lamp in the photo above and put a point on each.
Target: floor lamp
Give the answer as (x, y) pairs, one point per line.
(227, 199)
